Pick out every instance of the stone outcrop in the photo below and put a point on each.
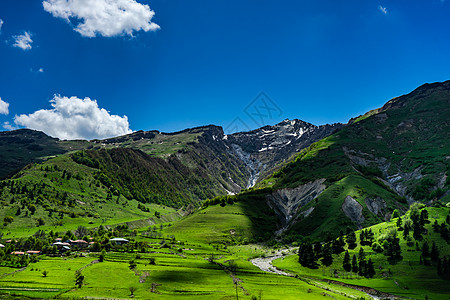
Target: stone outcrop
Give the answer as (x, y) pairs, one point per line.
(286, 202)
(353, 210)
(375, 206)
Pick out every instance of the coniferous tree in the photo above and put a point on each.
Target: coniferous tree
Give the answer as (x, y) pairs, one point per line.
(346, 264)
(417, 231)
(351, 238)
(434, 252)
(405, 231)
(424, 217)
(362, 267)
(361, 254)
(354, 264)
(436, 226)
(393, 249)
(425, 250)
(370, 269)
(362, 236)
(399, 224)
(338, 245)
(307, 257)
(327, 255)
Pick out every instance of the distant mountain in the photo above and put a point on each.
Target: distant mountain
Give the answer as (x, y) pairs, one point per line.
(127, 177)
(21, 147)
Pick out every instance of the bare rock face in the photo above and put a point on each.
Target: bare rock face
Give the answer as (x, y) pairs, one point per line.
(353, 210)
(375, 206)
(262, 149)
(286, 202)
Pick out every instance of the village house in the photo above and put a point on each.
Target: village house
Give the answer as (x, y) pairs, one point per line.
(119, 241)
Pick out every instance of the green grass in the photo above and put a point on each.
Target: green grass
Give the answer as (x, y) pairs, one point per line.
(241, 222)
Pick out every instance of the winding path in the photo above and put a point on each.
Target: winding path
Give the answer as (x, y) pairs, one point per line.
(265, 264)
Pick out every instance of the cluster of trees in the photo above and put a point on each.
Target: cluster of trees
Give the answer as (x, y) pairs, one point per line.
(366, 237)
(359, 264)
(310, 253)
(222, 200)
(443, 229)
(143, 207)
(391, 245)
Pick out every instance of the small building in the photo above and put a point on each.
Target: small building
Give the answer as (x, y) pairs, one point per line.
(2, 246)
(79, 243)
(17, 253)
(119, 241)
(31, 252)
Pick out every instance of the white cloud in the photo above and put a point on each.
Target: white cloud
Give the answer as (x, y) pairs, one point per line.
(383, 9)
(40, 70)
(4, 107)
(103, 17)
(8, 126)
(75, 118)
(23, 41)
(1, 24)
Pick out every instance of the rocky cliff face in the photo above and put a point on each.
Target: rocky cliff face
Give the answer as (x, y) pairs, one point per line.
(261, 150)
(287, 202)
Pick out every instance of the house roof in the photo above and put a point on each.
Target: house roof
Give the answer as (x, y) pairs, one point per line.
(18, 252)
(33, 252)
(2, 246)
(118, 240)
(79, 242)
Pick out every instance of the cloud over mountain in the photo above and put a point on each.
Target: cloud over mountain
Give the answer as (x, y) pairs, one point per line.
(103, 17)
(4, 107)
(75, 118)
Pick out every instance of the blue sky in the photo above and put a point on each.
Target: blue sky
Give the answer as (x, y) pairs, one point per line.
(177, 64)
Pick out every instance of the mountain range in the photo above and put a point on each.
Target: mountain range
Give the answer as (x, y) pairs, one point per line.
(315, 179)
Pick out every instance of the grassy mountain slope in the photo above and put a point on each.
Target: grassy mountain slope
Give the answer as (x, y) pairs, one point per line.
(395, 155)
(244, 218)
(60, 194)
(21, 147)
(410, 133)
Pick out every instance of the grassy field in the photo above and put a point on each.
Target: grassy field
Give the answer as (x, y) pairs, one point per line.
(173, 276)
(195, 266)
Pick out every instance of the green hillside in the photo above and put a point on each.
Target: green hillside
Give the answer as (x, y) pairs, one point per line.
(60, 194)
(406, 271)
(397, 154)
